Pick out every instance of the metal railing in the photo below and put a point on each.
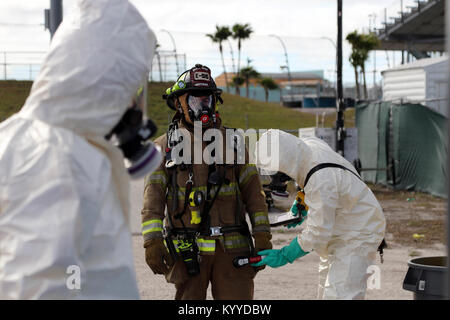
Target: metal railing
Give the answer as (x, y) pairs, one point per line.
(21, 65)
(25, 65)
(397, 12)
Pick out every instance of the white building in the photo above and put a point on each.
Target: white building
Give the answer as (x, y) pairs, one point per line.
(422, 81)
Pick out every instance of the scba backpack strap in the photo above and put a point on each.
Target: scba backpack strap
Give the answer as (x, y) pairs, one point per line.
(335, 165)
(327, 165)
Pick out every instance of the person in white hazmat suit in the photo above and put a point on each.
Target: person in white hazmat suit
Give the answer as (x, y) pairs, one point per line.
(344, 224)
(64, 221)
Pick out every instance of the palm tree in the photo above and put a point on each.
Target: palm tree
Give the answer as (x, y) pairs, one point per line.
(249, 73)
(232, 55)
(355, 61)
(356, 56)
(237, 82)
(268, 84)
(361, 44)
(221, 34)
(369, 43)
(241, 32)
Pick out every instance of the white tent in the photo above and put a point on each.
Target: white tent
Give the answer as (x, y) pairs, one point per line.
(422, 81)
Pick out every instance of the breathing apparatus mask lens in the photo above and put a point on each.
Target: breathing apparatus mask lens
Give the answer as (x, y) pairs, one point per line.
(132, 135)
(201, 105)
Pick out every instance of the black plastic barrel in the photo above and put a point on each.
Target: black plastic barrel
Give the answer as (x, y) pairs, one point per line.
(426, 277)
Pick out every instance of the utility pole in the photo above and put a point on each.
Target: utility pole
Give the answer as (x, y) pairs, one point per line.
(340, 130)
(374, 56)
(447, 17)
(53, 16)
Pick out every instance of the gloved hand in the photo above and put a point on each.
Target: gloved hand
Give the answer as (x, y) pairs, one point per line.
(294, 210)
(157, 256)
(298, 205)
(262, 242)
(278, 258)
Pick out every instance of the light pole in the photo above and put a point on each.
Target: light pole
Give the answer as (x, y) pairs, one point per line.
(335, 60)
(53, 16)
(174, 49)
(340, 130)
(285, 54)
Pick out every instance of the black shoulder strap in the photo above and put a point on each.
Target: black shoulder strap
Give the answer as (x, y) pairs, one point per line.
(327, 165)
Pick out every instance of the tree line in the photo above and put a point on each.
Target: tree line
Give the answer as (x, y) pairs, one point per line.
(240, 32)
(361, 44)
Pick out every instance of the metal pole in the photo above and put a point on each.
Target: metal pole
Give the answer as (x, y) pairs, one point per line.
(174, 50)
(447, 15)
(159, 67)
(285, 54)
(56, 15)
(340, 131)
(4, 64)
(401, 9)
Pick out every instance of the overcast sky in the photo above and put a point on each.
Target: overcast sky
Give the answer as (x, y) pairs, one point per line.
(303, 26)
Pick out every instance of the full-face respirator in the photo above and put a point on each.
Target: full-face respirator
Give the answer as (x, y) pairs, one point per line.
(132, 135)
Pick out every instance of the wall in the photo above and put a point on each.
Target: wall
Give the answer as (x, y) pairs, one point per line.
(436, 87)
(406, 84)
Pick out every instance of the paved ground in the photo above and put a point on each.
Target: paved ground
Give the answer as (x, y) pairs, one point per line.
(297, 281)
(293, 281)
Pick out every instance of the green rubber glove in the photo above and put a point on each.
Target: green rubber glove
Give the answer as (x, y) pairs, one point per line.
(294, 210)
(278, 258)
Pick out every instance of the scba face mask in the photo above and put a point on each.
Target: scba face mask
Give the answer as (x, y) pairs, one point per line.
(132, 135)
(201, 107)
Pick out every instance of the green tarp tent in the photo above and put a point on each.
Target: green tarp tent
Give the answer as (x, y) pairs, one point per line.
(405, 143)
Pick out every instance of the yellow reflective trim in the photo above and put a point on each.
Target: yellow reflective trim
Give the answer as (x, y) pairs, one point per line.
(206, 245)
(225, 190)
(146, 223)
(151, 230)
(260, 213)
(156, 177)
(247, 172)
(234, 242)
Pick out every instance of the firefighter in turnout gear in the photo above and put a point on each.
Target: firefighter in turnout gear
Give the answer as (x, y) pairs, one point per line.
(194, 214)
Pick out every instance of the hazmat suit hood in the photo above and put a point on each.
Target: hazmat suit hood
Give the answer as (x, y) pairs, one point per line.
(285, 151)
(98, 57)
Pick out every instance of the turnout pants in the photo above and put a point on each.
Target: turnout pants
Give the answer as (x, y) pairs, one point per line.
(227, 282)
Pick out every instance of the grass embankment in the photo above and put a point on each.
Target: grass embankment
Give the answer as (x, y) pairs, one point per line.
(236, 112)
(12, 96)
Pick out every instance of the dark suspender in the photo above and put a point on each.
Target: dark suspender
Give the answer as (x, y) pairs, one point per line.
(326, 165)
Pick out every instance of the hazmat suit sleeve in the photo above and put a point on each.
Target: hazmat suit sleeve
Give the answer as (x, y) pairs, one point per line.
(321, 196)
(154, 199)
